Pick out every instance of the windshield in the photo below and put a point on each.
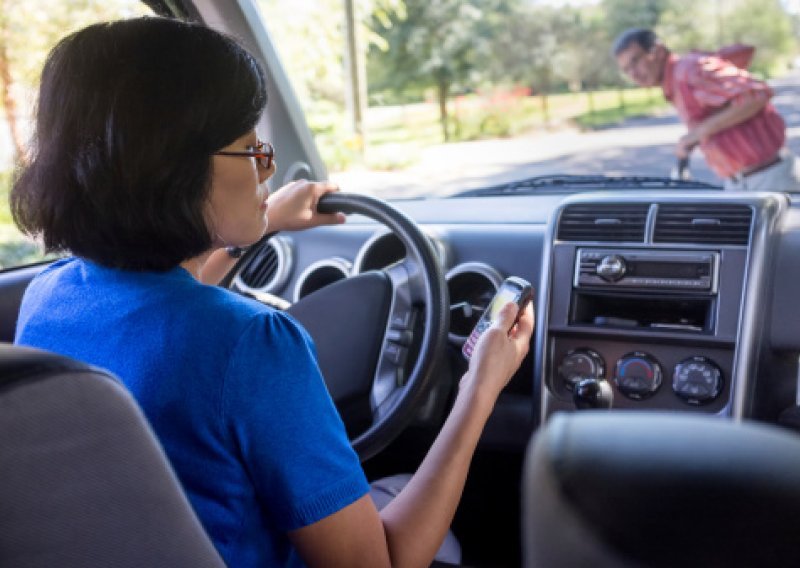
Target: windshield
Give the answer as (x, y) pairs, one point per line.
(410, 98)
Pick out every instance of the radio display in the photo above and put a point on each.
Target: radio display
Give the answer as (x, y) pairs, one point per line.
(647, 269)
(682, 270)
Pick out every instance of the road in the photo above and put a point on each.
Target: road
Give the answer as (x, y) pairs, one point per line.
(640, 146)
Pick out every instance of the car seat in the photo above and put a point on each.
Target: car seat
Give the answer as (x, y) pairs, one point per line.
(83, 481)
(622, 489)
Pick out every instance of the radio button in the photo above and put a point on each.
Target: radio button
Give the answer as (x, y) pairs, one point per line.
(611, 268)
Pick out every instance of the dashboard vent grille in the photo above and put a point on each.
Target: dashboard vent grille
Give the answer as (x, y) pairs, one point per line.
(604, 222)
(703, 224)
(262, 268)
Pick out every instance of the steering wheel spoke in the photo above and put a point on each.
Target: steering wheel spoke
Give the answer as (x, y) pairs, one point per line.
(407, 282)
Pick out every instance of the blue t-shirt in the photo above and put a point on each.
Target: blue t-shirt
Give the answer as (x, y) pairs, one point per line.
(231, 388)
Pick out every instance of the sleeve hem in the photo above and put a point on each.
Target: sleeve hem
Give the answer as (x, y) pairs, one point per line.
(333, 499)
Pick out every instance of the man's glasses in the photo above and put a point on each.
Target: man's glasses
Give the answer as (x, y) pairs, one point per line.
(633, 62)
(263, 152)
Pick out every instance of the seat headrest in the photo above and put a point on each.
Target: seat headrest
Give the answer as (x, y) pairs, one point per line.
(647, 489)
(83, 480)
(19, 363)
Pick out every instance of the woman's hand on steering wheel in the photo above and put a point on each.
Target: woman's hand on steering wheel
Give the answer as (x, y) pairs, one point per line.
(294, 206)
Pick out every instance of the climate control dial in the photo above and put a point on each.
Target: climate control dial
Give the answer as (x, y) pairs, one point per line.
(580, 364)
(697, 380)
(638, 375)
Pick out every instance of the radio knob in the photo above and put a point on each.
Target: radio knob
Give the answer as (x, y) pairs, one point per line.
(611, 268)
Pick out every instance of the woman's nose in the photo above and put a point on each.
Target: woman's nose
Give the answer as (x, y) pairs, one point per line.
(264, 174)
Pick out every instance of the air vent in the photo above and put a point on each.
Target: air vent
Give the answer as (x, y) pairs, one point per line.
(603, 222)
(261, 269)
(472, 286)
(703, 224)
(268, 270)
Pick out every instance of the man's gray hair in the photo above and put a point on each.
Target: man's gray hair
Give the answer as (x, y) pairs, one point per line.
(643, 37)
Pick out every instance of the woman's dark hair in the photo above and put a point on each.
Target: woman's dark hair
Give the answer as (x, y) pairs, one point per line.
(129, 115)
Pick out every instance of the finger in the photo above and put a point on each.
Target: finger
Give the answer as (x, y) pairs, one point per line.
(525, 324)
(323, 187)
(505, 319)
(291, 185)
(330, 218)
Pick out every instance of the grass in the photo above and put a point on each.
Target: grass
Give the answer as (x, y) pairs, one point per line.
(397, 135)
(608, 111)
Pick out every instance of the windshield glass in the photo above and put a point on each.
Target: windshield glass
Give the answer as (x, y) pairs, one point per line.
(28, 31)
(410, 98)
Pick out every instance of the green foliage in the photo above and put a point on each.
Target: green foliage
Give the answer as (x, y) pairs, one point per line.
(434, 43)
(30, 28)
(397, 135)
(607, 110)
(419, 51)
(15, 248)
(5, 188)
(762, 23)
(624, 14)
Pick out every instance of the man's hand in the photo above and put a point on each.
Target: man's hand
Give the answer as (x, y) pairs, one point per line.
(294, 206)
(687, 143)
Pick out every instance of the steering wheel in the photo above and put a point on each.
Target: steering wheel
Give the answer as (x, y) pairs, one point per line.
(379, 335)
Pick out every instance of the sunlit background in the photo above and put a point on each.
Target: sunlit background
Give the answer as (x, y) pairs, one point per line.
(421, 76)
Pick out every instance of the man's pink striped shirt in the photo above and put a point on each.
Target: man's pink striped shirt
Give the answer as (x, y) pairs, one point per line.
(700, 85)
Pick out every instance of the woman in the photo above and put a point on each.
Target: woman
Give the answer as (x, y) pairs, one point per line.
(145, 162)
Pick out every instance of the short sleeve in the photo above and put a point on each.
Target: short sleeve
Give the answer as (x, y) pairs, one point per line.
(291, 438)
(716, 82)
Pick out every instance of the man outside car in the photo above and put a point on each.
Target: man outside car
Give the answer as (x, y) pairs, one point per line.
(727, 112)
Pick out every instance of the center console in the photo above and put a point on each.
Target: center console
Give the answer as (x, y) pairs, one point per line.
(647, 304)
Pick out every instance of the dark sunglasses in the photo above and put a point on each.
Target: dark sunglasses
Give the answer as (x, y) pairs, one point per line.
(263, 152)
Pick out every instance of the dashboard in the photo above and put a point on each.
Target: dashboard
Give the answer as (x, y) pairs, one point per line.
(680, 301)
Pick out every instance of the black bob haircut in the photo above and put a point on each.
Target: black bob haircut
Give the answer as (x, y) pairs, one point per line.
(642, 37)
(129, 114)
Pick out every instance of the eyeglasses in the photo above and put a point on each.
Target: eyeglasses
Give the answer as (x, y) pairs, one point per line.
(633, 62)
(263, 152)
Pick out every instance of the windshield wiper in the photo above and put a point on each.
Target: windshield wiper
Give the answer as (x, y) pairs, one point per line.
(585, 182)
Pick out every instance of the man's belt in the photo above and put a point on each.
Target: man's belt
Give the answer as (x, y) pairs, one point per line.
(758, 168)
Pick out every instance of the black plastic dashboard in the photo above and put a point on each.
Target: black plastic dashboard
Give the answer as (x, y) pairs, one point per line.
(713, 316)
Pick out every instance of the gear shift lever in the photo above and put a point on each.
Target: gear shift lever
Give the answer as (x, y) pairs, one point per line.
(592, 393)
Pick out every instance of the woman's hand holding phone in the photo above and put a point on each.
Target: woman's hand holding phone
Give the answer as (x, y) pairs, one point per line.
(500, 350)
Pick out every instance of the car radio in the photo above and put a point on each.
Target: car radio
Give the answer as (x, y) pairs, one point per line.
(650, 269)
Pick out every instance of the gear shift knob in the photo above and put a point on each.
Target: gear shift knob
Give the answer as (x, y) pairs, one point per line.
(592, 393)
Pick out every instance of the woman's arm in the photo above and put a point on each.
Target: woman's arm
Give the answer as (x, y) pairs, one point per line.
(409, 530)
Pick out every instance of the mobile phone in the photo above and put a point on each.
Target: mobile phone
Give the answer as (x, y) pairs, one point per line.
(513, 289)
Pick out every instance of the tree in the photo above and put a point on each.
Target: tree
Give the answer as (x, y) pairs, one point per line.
(310, 38)
(585, 59)
(624, 14)
(766, 25)
(28, 30)
(532, 40)
(433, 44)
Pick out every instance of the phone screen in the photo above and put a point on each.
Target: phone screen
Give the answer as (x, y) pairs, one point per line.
(513, 289)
